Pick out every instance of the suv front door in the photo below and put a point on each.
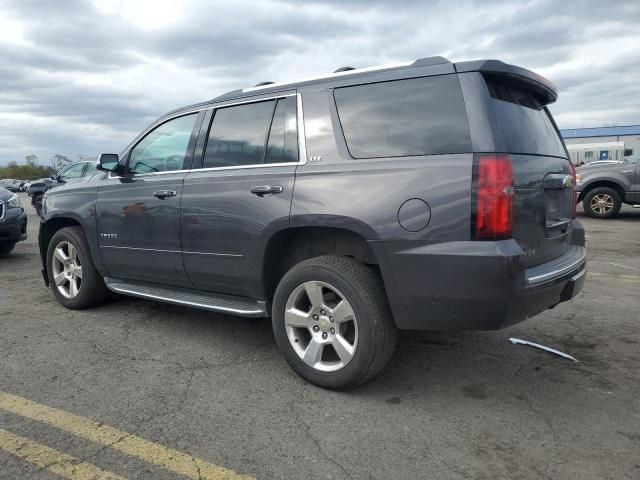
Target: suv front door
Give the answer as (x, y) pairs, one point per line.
(139, 212)
(240, 194)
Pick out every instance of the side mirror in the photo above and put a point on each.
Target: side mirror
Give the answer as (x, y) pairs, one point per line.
(109, 162)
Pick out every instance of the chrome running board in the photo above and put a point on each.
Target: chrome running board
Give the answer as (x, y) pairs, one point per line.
(241, 306)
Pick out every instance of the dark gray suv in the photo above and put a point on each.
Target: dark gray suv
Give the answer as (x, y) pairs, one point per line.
(426, 195)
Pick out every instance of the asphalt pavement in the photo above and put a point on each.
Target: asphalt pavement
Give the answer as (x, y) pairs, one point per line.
(143, 390)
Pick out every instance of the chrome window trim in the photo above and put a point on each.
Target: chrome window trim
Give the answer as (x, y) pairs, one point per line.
(3, 210)
(330, 75)
(302, 139)
(232, 103)
(302, 145)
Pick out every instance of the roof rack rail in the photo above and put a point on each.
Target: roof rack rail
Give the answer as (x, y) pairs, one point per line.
(261, 84)
(426, 61)
(224, 96)
(344, 69)
(420, 62)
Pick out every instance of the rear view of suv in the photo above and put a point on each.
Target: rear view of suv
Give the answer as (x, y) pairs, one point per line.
(426, 195)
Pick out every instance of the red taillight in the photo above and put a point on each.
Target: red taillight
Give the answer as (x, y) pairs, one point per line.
(575, 184)
(493, 197)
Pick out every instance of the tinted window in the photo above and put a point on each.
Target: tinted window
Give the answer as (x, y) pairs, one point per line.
(419, 116)
(164, 148)
(524, 123)
(238, 135)
(283, 140)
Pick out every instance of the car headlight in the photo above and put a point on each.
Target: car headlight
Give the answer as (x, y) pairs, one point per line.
(578, 178)
(14, 202)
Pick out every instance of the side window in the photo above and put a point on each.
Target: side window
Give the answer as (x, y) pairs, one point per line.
(283, 137)
(164, 148)
(92, 167)
(418, 116)
(238, 135)
(74, 171)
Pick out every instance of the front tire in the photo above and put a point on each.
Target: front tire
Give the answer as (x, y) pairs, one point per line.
(602, 202)
(332, 322)
(73, 278)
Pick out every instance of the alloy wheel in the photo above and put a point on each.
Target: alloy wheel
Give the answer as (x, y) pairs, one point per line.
(321, 326)
(602, 203)
(67, 269)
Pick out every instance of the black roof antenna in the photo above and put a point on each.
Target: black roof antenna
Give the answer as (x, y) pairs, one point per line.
(261, 84)
(344, 69)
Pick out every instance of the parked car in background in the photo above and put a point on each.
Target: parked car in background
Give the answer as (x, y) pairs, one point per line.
(604, 187)
(425, 195)
(83, 171)
(10, 184)
(13, 221)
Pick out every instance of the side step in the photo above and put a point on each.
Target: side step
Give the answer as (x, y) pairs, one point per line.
(241, 306)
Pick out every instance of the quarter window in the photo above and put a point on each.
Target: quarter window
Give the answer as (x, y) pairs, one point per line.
(418, 116)
(164, 148)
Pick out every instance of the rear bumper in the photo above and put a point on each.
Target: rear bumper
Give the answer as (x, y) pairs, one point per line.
(13, 227)
(476, 285)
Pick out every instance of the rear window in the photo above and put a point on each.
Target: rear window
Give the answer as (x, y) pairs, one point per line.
(524, 122)
(418, 116)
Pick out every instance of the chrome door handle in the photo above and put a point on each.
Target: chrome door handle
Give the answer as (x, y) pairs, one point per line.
(262, 190)
(164, 194)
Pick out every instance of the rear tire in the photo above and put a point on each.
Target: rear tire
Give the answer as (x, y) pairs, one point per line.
(7, 247)
(602, 202)
(73, 278)
(355, 345)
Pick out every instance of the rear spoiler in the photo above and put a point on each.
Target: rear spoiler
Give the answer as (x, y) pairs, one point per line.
(543, 86)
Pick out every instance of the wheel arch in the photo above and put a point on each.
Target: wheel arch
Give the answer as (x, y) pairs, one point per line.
(48, 229)
(602, 183)
(289, 246)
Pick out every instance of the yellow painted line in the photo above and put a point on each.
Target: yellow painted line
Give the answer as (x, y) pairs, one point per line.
(167, 458)
(49, 459)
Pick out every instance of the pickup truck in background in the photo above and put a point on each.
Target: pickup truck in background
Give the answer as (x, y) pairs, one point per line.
(604, 187)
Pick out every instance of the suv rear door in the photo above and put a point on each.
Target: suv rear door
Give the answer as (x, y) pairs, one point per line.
(507, 114)
(239, 192)
(139, 212)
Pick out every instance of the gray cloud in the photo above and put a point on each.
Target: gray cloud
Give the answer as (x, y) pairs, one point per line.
(79, 77)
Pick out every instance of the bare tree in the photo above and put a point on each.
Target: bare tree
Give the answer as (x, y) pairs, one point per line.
(32, 160)
(60, 161)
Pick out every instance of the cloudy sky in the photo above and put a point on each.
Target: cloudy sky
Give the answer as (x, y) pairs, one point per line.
(78, 77)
